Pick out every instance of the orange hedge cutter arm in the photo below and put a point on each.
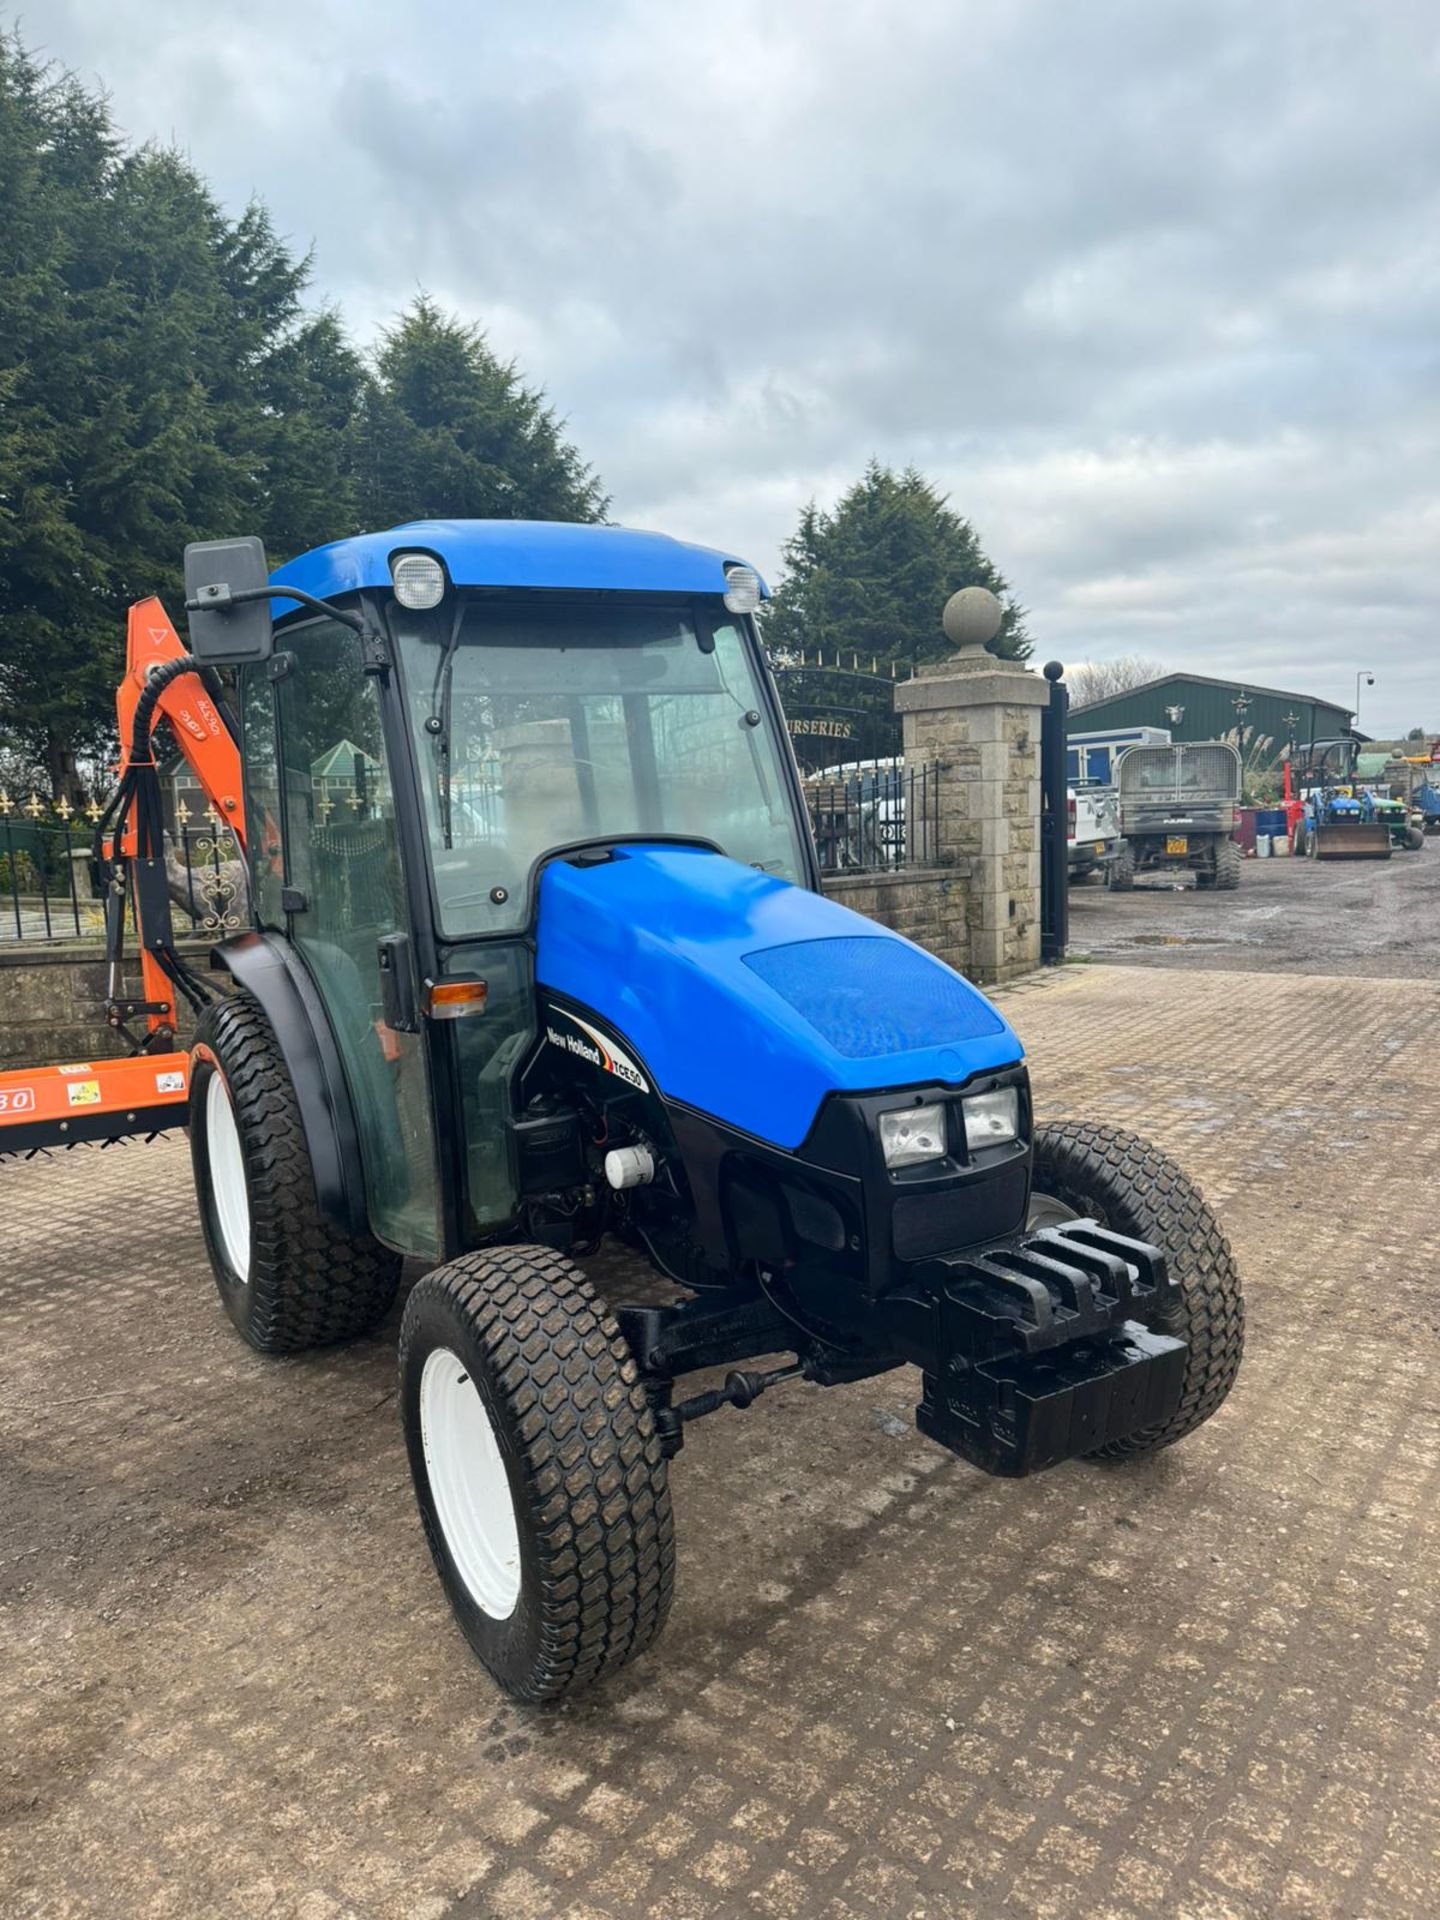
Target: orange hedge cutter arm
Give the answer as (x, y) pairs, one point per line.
(211, 754)
(148, 1091)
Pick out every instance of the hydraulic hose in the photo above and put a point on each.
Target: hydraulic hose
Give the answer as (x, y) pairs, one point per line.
(138, 795)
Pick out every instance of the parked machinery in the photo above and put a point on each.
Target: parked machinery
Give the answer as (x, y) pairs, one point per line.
(1178, 808)
(1427, 805)
(1342, 819)
(556, 971)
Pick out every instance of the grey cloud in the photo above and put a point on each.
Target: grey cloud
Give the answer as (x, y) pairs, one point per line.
(1151, 290)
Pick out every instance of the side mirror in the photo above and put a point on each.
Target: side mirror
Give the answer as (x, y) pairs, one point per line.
(227, 596)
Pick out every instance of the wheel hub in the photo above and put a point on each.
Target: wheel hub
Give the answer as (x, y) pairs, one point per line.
(469, 1484)
(226, 1168)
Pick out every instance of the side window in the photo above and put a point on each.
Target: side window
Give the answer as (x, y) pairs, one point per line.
(342, 852)
(262, 796)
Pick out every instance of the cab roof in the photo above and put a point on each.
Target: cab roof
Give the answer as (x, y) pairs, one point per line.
(516, 553)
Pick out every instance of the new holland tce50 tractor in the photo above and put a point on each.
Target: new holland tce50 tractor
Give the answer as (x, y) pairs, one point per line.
(539, 960)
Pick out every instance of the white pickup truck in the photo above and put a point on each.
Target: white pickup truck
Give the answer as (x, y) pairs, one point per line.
(1094, 829)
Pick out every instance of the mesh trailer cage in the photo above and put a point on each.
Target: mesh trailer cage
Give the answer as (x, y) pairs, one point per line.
(1157, 783)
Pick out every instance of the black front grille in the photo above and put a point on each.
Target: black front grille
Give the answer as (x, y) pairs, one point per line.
(924, 1224)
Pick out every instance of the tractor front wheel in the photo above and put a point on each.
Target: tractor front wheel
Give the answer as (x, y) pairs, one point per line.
(538, 1471)
(287, 1276)
(1120, 874)
(1115, 1177)
(1414, 839)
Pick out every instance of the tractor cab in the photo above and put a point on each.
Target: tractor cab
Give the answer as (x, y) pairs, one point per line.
(507, 690)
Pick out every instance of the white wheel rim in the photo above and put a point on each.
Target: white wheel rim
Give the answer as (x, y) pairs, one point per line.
(469, 1484)
(226, 1171)
(1047, 1211)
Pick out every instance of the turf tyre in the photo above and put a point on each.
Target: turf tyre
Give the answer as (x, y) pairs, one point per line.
(1114, 1176)
(587, 1476)
(307, 1283)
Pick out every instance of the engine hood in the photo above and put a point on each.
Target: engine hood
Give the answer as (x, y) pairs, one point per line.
(751, 999)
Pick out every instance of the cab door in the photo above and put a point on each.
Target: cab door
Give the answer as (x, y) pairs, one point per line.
(344, 892)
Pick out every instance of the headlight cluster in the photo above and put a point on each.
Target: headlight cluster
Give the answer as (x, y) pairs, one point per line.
(991, 1118)
(912, 1135)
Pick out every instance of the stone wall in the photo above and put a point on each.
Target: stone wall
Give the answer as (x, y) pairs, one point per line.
(929, 905)
(52, 1003)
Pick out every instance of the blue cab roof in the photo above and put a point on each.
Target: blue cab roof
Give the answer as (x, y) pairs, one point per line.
(514, 553)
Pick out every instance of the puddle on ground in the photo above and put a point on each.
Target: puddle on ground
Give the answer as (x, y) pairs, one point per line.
(1176, 940)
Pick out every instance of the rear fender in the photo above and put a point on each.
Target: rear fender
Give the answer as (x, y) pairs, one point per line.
(266, 966)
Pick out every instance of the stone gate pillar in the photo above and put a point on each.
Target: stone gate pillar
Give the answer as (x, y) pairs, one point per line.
(977, 719)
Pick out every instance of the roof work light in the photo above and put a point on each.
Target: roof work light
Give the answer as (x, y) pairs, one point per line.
(418, 580)
(742, 589)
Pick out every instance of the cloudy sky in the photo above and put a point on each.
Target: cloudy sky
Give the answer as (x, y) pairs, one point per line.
(1152, 289)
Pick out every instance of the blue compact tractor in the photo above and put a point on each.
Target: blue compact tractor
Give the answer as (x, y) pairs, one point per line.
(539, 962)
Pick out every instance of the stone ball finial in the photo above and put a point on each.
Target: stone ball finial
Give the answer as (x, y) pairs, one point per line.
(971, 618)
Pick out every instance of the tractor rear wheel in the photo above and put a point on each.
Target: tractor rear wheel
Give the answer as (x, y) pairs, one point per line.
(1110, 1175)
(287, 1277)
(1227, 866)
(538, 1471)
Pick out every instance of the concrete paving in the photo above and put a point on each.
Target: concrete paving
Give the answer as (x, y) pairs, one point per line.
(1199, 1688)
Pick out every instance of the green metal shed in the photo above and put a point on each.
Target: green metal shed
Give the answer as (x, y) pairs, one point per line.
(1194, 707)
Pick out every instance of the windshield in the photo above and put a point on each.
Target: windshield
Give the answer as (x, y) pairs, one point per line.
(535, 726)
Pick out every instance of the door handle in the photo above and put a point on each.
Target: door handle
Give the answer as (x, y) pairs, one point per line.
(398, 1004)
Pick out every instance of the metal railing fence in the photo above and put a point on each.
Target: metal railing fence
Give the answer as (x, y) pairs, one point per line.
(47, 889)
(875, 818)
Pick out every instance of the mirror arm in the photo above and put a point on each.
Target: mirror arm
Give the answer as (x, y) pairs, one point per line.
(217, 598)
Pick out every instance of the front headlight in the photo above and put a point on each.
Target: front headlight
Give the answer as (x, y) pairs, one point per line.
(991, 1118)
(913, 1134)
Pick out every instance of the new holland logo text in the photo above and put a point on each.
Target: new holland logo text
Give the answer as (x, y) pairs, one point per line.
(592, 1046)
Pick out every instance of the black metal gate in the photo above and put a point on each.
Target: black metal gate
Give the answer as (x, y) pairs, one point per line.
(1054, 822)
(838, 715)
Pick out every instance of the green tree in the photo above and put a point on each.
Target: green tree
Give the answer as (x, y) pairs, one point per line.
(158, 383)
(161, 381)
(873, 575)
(451, 431)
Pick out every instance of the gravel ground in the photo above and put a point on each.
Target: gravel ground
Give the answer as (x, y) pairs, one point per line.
(1372, 918)
(1202, 1688)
